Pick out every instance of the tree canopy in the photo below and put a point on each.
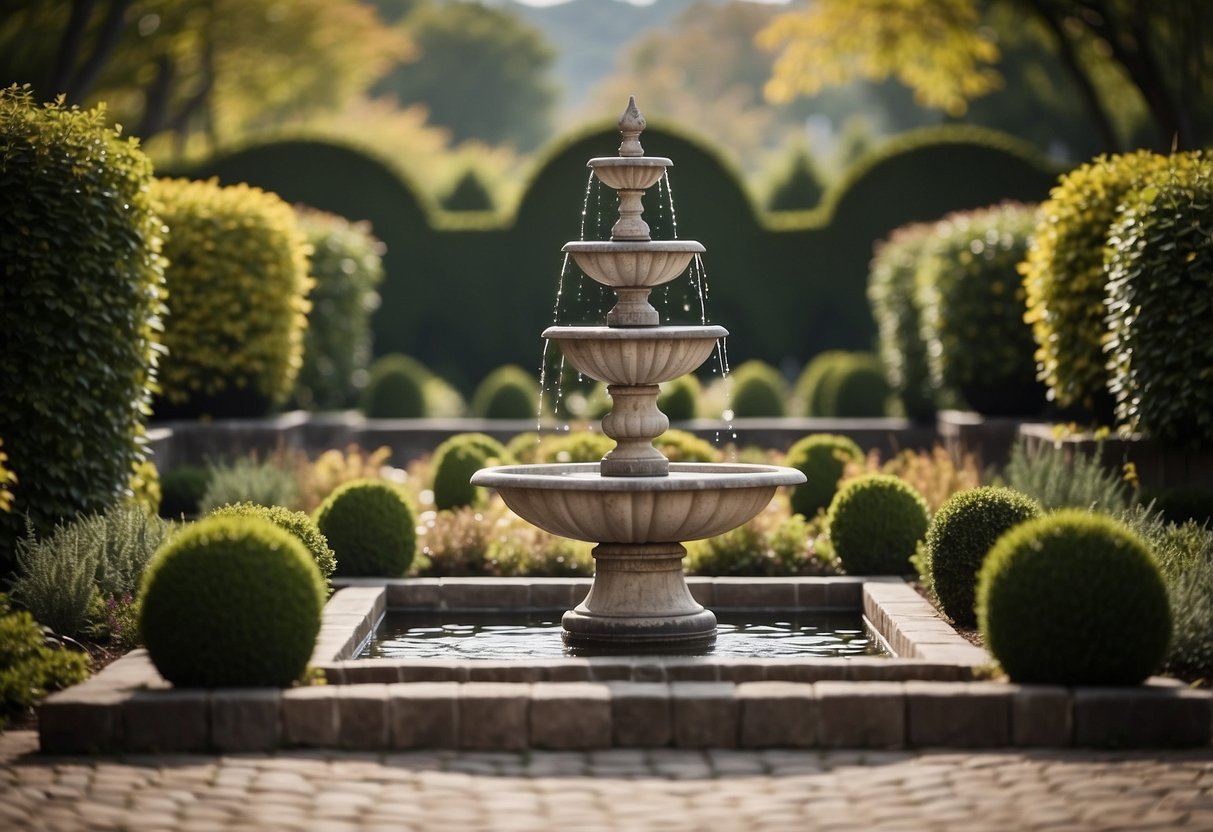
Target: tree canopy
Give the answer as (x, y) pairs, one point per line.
(219, 66)
(1160, 51)
(481, 72)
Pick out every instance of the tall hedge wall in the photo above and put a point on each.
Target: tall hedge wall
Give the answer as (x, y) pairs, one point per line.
(467, 294)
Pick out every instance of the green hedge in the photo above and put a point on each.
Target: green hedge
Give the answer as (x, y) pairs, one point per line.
(347, 265)
(786, 286)
(81, 287)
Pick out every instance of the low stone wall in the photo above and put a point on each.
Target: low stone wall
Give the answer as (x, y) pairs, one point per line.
(923, 697)
(196, 443)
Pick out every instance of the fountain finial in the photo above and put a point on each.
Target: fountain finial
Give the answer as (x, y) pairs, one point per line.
(631, 124)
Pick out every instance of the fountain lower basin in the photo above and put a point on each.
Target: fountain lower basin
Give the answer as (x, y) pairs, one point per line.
(639, 594)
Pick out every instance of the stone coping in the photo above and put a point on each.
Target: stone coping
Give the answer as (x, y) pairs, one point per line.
(925, 696)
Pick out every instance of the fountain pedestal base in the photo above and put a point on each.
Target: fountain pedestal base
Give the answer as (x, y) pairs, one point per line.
(639, 596)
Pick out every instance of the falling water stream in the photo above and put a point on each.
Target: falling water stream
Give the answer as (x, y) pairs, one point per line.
(583, 300)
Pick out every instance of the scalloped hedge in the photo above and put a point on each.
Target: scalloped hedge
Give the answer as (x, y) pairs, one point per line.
(81, 302)
(238, 284)
(1159, 270)
(448, 275)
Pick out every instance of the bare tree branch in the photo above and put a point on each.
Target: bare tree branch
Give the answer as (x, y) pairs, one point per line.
(1078, 74)
(107, 40)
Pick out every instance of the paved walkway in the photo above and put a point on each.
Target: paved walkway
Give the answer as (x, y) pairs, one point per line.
(670, 791)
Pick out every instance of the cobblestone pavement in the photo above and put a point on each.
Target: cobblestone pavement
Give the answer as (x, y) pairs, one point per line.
(666, 790)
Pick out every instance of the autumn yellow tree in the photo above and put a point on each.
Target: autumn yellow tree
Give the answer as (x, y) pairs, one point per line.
(943, 50)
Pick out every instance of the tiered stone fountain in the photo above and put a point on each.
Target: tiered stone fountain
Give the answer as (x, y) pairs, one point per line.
(636, 505)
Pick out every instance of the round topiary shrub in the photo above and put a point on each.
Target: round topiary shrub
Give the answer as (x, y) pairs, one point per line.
(231, 602)
(456, 460)
(855, 388)
(1064, 274)
(822, 458)
(972, 303)
(508, 392)
(875, 522)
(346, 265)
(684, 446)
(396, 388)
(576, 446)
(1160, 279)
(892, 295)
(814, 388)
(370, 527)
(81, 301)
(1073, 598)
(296, 522)
(959, 537)
(679, 399)
(758, 391)
(182, 489)
(237, 296)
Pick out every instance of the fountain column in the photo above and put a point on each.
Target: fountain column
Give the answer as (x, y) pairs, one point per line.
(635, 504)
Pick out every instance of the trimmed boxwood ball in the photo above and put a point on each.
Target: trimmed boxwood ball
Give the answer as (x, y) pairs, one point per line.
(1073, 598)
(231, 602)
(396, 388)
(961, 534)
(758, 390)
(456, 460)
(295, 522)
(856, 388)
(679, 399)
(508, 392)
(370, 527)
(875, 522)
(822, 458)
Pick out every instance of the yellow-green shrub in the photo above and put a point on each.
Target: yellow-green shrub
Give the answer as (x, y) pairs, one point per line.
(1064, 274)
(972, 308)
(1160, 280)
(238, 283)
(894, 301)
(347, 265)
(81, 299)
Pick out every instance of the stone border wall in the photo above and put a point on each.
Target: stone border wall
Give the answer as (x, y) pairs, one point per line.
(602, 703)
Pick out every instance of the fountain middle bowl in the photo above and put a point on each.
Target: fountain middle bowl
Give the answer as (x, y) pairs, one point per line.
(633, 263)
(640, 355)
(696, 500)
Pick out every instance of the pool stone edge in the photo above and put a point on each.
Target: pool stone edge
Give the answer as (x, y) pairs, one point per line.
(928, 695)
